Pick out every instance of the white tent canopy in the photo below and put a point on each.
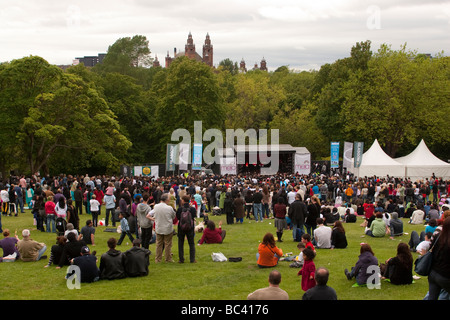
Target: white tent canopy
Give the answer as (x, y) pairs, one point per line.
(421, 164)
(375, 162)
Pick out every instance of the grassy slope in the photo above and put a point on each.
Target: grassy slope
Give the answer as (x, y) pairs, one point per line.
(205, 280)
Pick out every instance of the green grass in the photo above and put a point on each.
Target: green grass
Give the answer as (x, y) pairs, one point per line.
(205, 280)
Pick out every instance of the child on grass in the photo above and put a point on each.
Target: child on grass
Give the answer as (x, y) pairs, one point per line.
(308, 270)
(306, 239)
(125, 229)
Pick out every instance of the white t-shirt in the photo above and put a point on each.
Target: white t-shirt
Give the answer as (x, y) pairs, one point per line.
(94, 204)
(322, 235)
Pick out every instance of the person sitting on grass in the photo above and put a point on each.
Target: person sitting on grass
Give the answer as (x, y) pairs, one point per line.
(112, 262)
(377, 228)
(268, 253)
(72, 249)
(211, 234)
(29, 249)
(272, 292)
(399, 268)
(321, 291)
(365, 260)
(87, 263)
(8, 244)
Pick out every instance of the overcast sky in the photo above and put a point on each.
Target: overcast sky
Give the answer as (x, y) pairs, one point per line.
(300, 34)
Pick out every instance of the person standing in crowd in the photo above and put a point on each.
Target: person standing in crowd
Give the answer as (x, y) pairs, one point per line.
(145, 220)
(313, 209)
(50, 213)
(297, 213)
(78, 198)
(239, 208)
(164, 215)
(186, 223)
(257, 205)
(279, 212)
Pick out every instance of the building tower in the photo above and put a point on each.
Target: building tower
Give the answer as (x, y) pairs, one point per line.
(242, 67)
(208, 51)
(263, 65)
(156, 62)
(189, 48)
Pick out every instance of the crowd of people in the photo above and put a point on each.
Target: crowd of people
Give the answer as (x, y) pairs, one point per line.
(313, 208)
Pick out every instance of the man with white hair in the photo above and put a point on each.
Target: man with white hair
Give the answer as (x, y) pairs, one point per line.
(29, 249)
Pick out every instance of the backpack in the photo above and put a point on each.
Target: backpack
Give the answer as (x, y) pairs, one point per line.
(186, 219)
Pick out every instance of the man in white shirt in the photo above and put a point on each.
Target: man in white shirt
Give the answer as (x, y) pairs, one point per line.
(322, 235)
(164, 215)
(291, 196)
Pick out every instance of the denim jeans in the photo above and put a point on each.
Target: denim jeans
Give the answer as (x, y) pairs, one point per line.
(41, 252)
(436, 282)
(294, 231)
(51, 221)
(257, 211)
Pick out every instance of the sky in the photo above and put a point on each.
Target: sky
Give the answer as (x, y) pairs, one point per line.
(302, 35)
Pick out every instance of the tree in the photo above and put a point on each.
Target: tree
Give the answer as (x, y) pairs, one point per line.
(58, 113)
(188, 91)
(396, 100)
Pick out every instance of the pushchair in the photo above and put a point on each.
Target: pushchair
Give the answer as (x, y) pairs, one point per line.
(61, 226)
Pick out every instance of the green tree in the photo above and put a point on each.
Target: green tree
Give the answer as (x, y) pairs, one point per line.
(187, 91)
(58, 113)
(396, 100)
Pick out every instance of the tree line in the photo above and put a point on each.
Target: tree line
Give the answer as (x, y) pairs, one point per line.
(123, 111)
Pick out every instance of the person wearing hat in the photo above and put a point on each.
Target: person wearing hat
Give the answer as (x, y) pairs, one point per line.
(29, 249)
(87, 263)
(70, 228)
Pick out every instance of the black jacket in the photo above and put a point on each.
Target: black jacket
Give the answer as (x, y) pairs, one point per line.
(297, 212)
(112, 265)
(136, 262)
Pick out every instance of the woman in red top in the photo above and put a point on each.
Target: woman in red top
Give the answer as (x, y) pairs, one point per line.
(50, 213)
(211, 234)
(279, 211)
(268, 253)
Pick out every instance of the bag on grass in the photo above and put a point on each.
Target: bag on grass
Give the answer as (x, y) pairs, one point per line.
(218, 257)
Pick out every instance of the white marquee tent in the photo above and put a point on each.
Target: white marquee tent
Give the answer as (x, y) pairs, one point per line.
(375, 162)
(421, 164)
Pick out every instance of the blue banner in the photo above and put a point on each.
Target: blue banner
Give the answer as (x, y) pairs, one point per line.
(334, 159)
(197, 152)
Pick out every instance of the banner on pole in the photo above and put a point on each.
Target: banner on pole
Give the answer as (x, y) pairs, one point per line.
(347, 158)
(228, 166)
(358, 153)
(171, 154)
(302, 163)
(334, 159)
(197, 151)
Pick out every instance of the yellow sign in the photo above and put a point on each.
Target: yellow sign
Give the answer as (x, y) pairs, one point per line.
(146, 171)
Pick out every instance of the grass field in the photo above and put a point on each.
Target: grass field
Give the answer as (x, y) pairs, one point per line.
(204, 280)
